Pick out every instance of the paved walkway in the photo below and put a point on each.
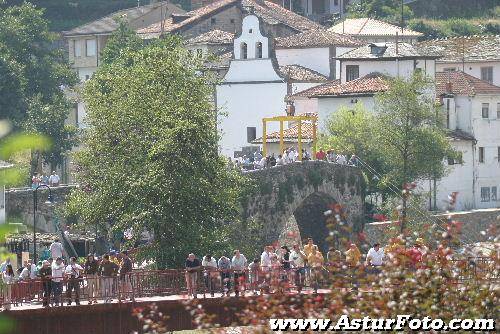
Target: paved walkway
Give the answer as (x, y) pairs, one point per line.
(38, 305)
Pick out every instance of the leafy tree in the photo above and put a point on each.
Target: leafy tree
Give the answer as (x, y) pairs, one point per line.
(409, 131)
(33, 72)
(121, 41)
(150, 158)
(389, 10)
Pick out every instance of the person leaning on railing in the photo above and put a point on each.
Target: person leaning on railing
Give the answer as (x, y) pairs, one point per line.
(107, 271)
(224, 265)
(239, 265)
(125, 277)
(209, 272)
(90, 268)
(192, 265)
(45, 274)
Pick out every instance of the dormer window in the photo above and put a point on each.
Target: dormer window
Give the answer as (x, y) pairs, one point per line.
(258, 50)
(244, 48)
(250, 31)
(378, 49)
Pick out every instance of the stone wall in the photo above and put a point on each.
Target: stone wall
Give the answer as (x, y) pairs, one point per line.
(19, 203)
(473, 223)
(280, 191)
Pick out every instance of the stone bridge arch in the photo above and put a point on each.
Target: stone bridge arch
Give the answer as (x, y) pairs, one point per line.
(284, 191)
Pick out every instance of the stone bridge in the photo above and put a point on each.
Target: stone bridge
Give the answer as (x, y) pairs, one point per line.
(302, 192)
(19, 206)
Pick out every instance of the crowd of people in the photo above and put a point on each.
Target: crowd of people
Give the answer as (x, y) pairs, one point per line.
(277, 267)
(52, 180)
(291, 155)
(105, 276)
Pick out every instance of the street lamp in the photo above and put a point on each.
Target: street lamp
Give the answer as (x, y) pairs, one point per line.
(49, 201)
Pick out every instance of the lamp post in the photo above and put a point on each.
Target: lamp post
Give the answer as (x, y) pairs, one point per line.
(35, 208)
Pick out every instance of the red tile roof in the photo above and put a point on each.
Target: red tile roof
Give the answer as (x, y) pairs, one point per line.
(213, 37)
(367, 85)
(370, 27)
(266, 10)
(317, 38)
(290, 135)
(463, 84)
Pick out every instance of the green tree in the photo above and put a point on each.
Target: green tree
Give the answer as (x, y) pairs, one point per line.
(33, 73)
(410, 133)
(389, 10)
(150, 158)
(121, 41)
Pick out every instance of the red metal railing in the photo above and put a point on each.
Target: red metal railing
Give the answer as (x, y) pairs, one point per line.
(157, 283)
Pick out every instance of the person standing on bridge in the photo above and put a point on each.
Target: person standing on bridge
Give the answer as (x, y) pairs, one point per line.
(193, 265)
(298, 262)
(56, 249)
(126, 277)
(225, 274)
(45, 274)
(107, 270)
(73, 274)
(239, 265)
(57, 278)
(90, 269)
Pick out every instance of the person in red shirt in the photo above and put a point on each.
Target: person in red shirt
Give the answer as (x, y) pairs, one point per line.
(320, 155)
(416, 253)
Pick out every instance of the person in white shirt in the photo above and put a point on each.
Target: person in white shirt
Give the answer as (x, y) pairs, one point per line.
(57, 277)
(56, 249)
(280, 161)
(25, 274)
(239, 265)
(54, 179)
(4, 265)
(210, 273)
(297, 259)
(73, 272)
(375, 257)
(33, 269)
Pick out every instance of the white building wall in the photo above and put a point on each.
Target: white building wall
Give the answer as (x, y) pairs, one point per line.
(317, 59)
(459, 179)
(306, 105)
(472, 68)
(244, 105)
(85, 73)
(328, 105)
(300, 86)
(338, 52)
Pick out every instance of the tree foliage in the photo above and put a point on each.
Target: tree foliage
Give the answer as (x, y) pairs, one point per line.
(389, 10)
(33, 73)
(150, 158)
(121, 41)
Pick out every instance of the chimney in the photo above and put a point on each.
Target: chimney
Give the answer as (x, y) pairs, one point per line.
(449, 88)
(177, 17)
(290, 109)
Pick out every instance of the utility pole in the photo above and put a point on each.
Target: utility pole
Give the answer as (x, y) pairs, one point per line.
(402, 17)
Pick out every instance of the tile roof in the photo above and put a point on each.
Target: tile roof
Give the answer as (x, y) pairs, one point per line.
(316, 38)
(301, 73)
(310, 92)
(460, 135)
(465, 48)
(269, 12)
(108, 24)
(387, 51)
(463, 84)
(367, 85)
(290, 135)
(213, 37)
(371, 27)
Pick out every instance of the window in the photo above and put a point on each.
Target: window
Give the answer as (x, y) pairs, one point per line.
(243, 51)
(494, 194)
(498, 110)
(458, 160)
(232, 21)
(213, 20)
(199, 53)
(90, 47)
(485, 194)
(87, 77)
(498, 153)
(352, 72)
(485, 110)
(336, 2)
(481, 154)
(78, 49)
(487, 74)
(250, 31)
(449, 69)
(258, 50)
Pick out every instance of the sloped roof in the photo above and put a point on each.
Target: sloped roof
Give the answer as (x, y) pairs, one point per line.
(463, 84)
(213, 37)
(367, 85)
(317, 38)
(371, 27)
(107, 24)
(465, 48)
(387, 51)
(266, 10)
(310, 92)
(301, 73)
(460, 135)
(290, 135)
